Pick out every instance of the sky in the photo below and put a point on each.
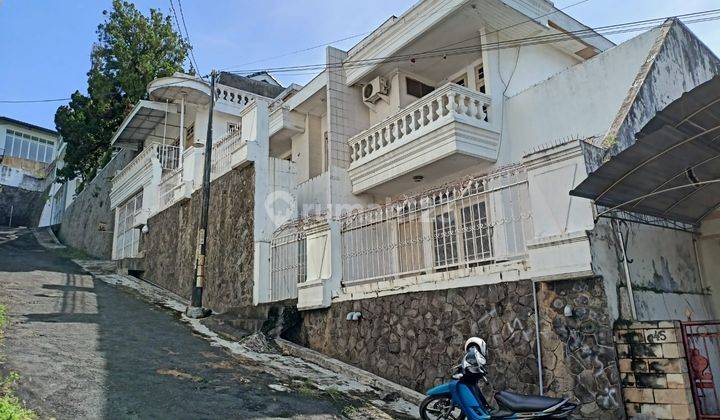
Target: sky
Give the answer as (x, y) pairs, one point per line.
(46, 43)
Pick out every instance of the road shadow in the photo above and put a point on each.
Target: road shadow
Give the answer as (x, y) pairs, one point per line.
(152, 365)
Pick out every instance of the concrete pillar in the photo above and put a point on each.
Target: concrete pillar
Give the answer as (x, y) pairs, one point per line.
(324, 266)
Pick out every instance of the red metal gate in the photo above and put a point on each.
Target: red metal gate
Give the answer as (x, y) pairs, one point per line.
(702, 350)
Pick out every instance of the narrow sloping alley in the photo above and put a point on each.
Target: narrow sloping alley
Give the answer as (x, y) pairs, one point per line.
(87, 349)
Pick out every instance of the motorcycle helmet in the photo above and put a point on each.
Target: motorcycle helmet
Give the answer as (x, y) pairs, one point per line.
(481, 347)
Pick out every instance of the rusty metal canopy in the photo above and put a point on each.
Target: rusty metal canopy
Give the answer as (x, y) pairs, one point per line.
(671, 171)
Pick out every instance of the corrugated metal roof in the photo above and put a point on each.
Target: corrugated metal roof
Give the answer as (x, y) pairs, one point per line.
(672, 169)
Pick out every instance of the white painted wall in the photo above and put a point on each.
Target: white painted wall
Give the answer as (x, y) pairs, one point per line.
(708, 244)
(579, 102)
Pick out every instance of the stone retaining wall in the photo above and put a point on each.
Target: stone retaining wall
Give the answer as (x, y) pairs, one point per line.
(653, 370)
(578, 353)
(169, 245)
(415, 338)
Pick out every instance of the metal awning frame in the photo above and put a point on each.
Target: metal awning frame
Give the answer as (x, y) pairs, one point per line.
(670, 176)
(642, 219)
(144, 112)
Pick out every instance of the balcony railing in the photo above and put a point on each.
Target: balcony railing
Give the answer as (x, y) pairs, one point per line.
(425, 115)
(222, 152)
(133, 168)
(139, 172)
(475, 222)
(170, 189)
(169, 156)
(233, 96)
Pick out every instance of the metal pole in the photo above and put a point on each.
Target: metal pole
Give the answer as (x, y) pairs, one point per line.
(196, 310)
(537, 340)
(11, 212)
(628, 281)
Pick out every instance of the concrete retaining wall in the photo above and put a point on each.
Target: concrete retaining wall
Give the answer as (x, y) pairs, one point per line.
(87, 223)
(24, 205)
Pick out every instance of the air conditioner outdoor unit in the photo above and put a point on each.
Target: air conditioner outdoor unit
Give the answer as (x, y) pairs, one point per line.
(372, 91)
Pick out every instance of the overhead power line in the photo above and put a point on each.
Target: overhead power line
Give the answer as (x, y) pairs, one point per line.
(633, 26)
(366, 33)
(32, 101)
(187, 36)
(298, 51)
(184, 35)
(497, 31)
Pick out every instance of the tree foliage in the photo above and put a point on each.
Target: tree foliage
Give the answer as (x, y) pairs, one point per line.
(132, 50)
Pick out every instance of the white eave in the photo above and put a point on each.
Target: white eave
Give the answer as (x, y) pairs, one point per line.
(519, 16)
(172, 88)
(310, 89)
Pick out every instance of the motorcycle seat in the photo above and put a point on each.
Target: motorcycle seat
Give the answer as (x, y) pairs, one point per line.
(520, 403)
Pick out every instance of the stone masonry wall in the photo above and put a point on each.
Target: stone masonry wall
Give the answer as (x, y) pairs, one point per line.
(169, 245)
(654, 370)
(88, 222)
(24, 206)
(415, 338)
(578, 353)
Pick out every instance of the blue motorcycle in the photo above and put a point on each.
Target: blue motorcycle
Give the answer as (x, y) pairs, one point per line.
(461, 398)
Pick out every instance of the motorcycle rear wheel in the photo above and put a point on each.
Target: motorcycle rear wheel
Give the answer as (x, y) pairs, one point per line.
(440, 407)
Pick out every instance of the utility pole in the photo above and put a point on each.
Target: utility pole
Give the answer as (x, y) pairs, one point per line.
(196, 309)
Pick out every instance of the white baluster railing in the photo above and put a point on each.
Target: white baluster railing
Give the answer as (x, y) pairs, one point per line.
(140, 161)
(234, 96)
(448, 102)
(223, 149)
(169, 156)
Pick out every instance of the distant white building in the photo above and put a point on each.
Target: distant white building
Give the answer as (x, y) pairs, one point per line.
(27, 170)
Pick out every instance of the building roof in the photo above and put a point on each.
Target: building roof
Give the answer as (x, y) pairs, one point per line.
(250, 85)
(27, 125)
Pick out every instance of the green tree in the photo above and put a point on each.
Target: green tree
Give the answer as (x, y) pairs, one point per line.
(132, 50)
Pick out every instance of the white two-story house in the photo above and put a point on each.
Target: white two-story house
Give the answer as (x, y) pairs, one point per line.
(416, 192)
(168, 133)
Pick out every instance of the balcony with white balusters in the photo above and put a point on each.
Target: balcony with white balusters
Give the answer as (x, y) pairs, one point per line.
(447, 130)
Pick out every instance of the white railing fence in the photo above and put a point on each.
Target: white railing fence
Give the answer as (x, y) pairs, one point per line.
(169, 156)
(478, 221)
(169, 188)
(127, 237)
(222, 152)
(424, 115)
(288, 252)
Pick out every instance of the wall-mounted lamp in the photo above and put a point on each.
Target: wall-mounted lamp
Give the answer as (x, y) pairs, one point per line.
(145, 229)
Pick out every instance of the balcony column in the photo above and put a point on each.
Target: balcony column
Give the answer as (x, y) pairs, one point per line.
(324, 265)
(182, 130)
(151, 191)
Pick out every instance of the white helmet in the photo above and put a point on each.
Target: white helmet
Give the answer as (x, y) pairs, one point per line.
(475, 356)
(479, 343)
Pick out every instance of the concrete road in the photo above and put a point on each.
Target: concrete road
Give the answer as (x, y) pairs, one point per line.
(87, 350)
